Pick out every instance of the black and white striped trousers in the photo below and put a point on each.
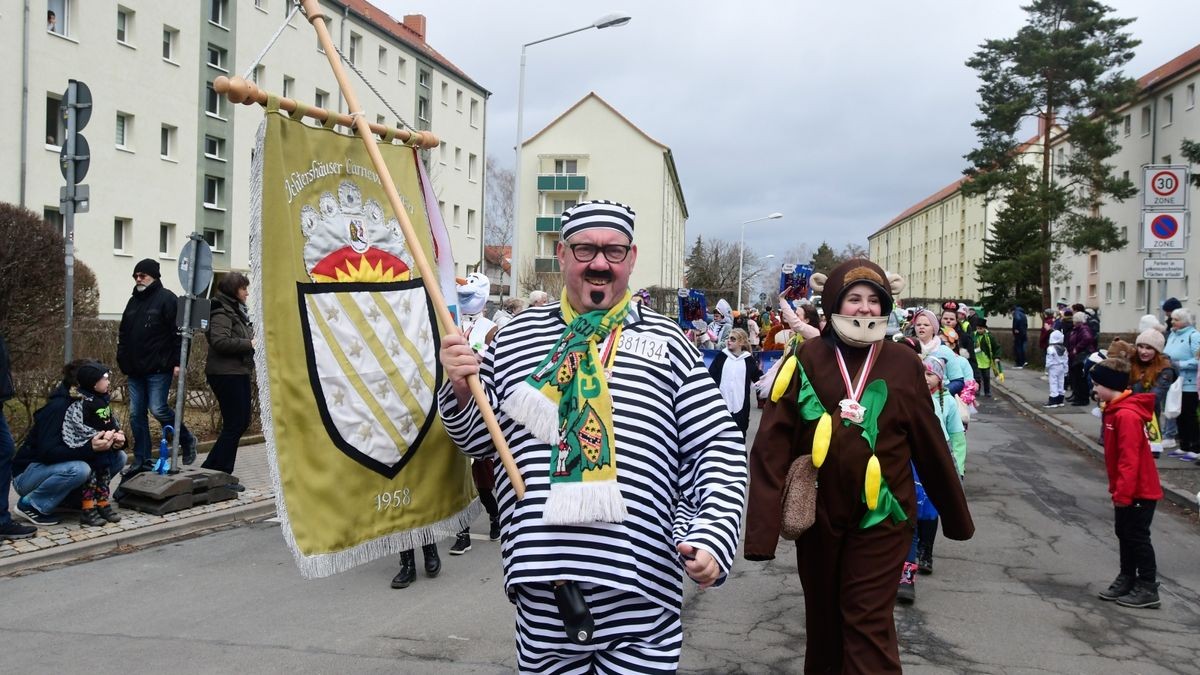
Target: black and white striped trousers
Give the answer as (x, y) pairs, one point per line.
(633, 634)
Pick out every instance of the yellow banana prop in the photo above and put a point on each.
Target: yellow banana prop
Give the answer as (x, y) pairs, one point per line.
(820, 446)
(873, 482)
(783, 378)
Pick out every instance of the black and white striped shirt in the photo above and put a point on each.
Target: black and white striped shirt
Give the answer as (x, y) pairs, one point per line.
(681, 461)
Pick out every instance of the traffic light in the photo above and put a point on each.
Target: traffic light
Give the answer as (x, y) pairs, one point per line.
(75, 156)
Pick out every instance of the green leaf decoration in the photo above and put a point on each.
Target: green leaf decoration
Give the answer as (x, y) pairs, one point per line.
(873, 399)
(888, 506)
(811, 407)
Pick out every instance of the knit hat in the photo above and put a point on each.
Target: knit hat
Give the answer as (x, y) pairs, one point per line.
(1149, 321)
(600, 213)
(1111, 373)
(1170, 305)
(147, 266)
(89, 374)
(1152, 338)
(1079, 317)
(936, 366)
(1056, 337)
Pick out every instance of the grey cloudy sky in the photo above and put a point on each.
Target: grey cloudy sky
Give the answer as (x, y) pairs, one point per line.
(838, 115)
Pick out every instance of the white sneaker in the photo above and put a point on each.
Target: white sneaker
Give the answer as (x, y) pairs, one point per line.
(1170, 443)
(1189, 456)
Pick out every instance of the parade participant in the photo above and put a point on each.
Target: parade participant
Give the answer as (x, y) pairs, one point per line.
(91, 415)
(925, 329)
(857, 406)
(1056, 369)
(734, 369)
(634, 469)
(987, 352)
(1183, 348)
(148, 353)
(1132, 482)
(802, 323)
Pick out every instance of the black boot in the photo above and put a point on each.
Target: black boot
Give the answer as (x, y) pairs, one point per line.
(91, 517)
(433, 563)
(577, 618)
(1119, 587)
(408, 570)
(1143, 596)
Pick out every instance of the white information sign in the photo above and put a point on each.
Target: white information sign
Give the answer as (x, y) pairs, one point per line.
(1163, 268)
(1164, 186)
(1164, 231)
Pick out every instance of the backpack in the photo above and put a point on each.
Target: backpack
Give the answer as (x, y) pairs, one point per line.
(1093, 321)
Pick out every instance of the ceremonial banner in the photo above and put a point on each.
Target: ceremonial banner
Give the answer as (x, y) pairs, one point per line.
(347, 366)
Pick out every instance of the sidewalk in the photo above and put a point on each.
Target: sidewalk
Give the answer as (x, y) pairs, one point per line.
(69, 541)
(1076, 425)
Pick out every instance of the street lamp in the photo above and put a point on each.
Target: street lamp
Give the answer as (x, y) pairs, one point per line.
(606, 21)
(742, 252)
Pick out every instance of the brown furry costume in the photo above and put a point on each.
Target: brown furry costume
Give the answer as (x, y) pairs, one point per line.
(848, 572)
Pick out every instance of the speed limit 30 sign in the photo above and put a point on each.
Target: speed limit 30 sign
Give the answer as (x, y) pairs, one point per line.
(1164, 186)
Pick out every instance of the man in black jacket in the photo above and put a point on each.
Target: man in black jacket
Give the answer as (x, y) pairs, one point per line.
(46, 469)
(148, 354)
(1020, 329)
(8, 529)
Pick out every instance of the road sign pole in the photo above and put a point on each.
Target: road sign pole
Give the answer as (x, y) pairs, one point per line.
(68, 210)
(188, 257)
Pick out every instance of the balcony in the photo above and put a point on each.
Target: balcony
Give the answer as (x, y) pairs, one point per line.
(545, 265)
(561, 182)
(549, 224)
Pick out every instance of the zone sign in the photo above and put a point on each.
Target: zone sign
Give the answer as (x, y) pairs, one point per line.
(1164, 231)
(1164, 186)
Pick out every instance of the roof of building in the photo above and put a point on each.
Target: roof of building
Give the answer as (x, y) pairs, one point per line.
(670, 157)
(499, 255)
(1146, 82)
(397, 29)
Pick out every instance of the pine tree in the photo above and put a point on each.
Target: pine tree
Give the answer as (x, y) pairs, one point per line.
(696, 266)
(825, 259)
(1063, 69)
(1004, 274)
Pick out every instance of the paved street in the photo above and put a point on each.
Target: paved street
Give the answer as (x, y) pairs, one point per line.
(1018, 598)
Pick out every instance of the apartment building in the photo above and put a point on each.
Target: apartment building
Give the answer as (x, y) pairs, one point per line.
(937, 243)
(592, 151)
(169, 156)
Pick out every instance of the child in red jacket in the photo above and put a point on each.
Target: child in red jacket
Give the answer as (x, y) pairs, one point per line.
(1132, 482)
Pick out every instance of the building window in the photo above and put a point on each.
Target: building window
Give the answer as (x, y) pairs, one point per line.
(422, 108)
(567, 166)
(442, 152)
(355, 47)
(54, 220)
(474, 113)
(124, 135)
(217, 11)
(472, 167)
(260, 4)
(445, 93)
(56, 129)
(214, 239)
(458, 100)
(214, 187)
(1093, 263)
(124, 25)
(288, 85)
(321, 99)
(1128, 124)
(1140, 292)
(58, 16)
(470, 222)
(458, 158)
(401, 69)
(166, 142)
(259, 74)
(1190, 96)
(217, 57)
(214, 103)
(214, 147)
(121, 228)
(166, 238)
(383, 60)
(560, 205)
(1121, 291)
(423, 78)
(457, 222)
(170, 43)
(1145, 120)
(1168, 110)
(1108, 292)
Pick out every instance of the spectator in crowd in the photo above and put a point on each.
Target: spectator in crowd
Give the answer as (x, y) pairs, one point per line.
(92, 414)
(1183, 345)
(230, 365)
(1047, 328)
(1150, 371)
(538, 298)
(51, 21)
(510, 308)
(1020, 331)
(47, 468)
(1081, 342)
(148, 353)
(8, 528)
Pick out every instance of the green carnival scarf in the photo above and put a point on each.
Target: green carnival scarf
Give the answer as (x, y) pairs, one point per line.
(574, 414)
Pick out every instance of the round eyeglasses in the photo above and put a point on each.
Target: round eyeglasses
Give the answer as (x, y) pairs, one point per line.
(613, 253)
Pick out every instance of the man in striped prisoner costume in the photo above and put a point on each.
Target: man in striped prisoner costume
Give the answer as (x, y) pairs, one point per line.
(634, 469)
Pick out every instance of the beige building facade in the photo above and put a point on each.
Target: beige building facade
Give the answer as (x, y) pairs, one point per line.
(169, 157)
(938, 242)
(592, 151)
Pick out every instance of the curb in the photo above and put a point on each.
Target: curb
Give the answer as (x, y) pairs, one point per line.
(159, 533)
(1177, 496)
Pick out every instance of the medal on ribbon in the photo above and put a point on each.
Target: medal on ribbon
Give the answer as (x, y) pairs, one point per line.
(849, 408)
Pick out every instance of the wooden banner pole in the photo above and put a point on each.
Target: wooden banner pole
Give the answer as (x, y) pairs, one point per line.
(315, 15)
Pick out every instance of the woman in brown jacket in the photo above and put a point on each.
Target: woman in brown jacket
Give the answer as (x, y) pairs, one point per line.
(881, 419)
(230, 365)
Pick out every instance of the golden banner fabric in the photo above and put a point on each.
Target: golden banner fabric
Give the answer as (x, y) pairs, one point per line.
(347, 368)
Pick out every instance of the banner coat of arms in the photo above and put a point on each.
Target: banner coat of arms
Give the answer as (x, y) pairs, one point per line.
(348, 369)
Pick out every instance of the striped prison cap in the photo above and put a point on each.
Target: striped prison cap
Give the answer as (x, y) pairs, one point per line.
(599, 213)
